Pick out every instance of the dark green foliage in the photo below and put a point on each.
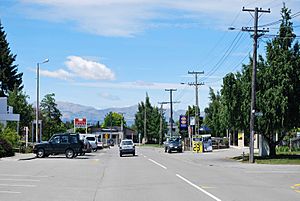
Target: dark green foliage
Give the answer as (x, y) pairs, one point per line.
(9, 76)
(6, 150)
(152, 121)
(213, 114)
(50, 115)
(18, 100)
(277, 91)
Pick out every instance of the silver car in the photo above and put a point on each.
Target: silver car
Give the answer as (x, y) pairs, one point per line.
(127, 147)
(93, 141)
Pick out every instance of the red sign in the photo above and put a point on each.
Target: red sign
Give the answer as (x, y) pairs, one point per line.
(80, 123)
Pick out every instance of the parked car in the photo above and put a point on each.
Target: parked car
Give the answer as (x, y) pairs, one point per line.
(127, 147)
(110, 142)
(86, 147)
(93, 141)
(64, 143)
(99, 142)
(173, 144)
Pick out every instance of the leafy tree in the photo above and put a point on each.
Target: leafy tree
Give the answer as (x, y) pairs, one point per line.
(9, 77)
(51, 117)
(279, 91)
(213, 114)
(113, 119)
(18, 100)
(152, 121)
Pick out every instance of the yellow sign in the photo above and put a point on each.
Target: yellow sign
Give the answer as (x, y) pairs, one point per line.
(197, 147)
(106, 136)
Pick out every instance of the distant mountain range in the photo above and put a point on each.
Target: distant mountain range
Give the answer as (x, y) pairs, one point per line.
(71, 110)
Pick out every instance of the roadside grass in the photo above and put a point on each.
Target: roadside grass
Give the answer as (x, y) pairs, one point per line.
(282, 158)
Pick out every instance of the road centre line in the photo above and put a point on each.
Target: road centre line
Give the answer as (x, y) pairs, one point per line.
(17, 185)
(29, 180)
(157, 163)
(197, 187)
(18, 175)
(10, 192)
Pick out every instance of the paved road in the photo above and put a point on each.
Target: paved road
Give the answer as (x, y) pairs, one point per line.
(151, 176)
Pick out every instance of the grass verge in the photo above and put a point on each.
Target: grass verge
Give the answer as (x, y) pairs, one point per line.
(279, 159)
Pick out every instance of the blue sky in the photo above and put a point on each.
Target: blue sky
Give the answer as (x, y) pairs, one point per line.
(109, 53)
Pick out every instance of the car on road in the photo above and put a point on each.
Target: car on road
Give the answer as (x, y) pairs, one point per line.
(99, 142)
(173, 144)
(63, 143)
(127, 147)
(93, 141)
(86, 147)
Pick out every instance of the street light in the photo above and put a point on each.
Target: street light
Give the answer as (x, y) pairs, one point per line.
(37, 99)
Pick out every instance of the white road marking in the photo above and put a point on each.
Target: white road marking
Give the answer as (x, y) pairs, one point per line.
(18, 185)
(29, 180)
(19, 175)
(197, 187)
(10, 192)
(157, 163)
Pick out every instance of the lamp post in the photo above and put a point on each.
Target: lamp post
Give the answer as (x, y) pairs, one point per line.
(37, 99)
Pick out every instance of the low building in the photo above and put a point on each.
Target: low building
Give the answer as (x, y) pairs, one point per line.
(115, 133)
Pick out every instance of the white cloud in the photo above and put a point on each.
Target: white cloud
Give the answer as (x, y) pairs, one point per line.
(82, 68)
(60, 74)
(129, 17)
(89, 69)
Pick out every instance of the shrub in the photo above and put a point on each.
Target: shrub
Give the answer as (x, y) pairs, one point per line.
(11, 136)
(6, 149)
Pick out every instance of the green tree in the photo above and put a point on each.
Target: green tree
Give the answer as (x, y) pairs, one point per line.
(279, 85)
(113, 119)
(51, 117)
(9, 76)
(18, 100)
(152, 121)
(213, 114)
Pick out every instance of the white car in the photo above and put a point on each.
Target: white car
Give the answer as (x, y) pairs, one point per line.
(127, 147)
(93, 141)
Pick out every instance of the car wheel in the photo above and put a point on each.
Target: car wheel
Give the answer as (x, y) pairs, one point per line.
(70, 153)
(133, 153)
(120, 154)
(165, 150)
(169, 150)
(40, 153)
(180, 150)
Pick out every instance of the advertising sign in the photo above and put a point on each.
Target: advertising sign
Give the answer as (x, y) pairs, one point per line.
(80, 123)
(183, 122)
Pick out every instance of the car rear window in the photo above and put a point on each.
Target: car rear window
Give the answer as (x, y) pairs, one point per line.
(90, 138)
(127, 143)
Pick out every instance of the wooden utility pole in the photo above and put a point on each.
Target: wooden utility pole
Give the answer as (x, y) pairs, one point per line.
(255, 30)
(196, 84)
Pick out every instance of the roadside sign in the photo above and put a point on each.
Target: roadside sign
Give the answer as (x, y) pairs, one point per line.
(183, 122)
(80, 123)
(106, 136)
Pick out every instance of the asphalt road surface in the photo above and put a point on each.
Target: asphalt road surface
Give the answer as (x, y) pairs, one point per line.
(152, 175)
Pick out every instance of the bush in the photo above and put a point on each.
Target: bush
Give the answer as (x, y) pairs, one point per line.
(11, 136)
(6, 149)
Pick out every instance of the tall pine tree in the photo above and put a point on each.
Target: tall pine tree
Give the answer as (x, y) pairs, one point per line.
(9, 76)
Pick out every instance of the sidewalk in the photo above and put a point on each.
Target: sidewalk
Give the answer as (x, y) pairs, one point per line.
(19, 157)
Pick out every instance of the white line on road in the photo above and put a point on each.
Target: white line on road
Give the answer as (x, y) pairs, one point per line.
(157, 163)
(197, 187)
(17, 185)
(10, 192)
(18, 175)
(29, 180)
